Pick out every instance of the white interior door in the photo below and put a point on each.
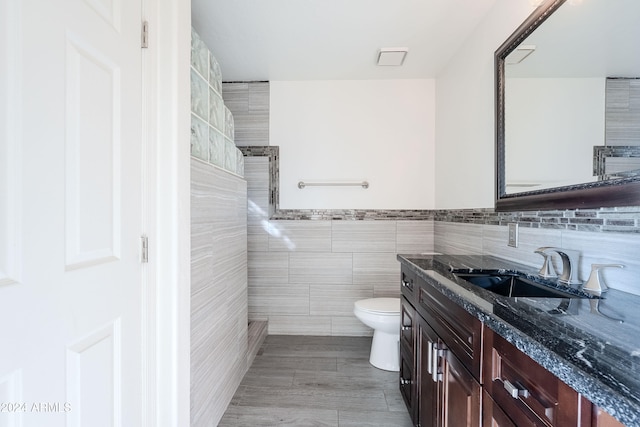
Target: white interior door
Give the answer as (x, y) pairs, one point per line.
(70, 213)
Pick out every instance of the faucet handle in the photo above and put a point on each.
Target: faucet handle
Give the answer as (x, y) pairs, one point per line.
(594, 284)
(546, 271)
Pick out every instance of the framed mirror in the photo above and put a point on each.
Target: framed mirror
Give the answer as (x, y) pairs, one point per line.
(568, 108)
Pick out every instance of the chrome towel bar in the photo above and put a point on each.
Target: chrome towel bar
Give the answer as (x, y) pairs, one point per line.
(363, 184)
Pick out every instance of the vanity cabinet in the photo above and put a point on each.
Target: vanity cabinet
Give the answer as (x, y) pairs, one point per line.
(439, 380)
(457, 372)
(527, 392)
(408, 354)
(448, 394)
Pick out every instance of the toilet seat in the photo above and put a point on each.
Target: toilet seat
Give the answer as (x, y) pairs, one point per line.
(379, 306)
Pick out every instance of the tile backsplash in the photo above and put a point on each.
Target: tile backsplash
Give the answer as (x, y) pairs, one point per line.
(307, 267)
(304, 276)
(212, 124)
(594, 247)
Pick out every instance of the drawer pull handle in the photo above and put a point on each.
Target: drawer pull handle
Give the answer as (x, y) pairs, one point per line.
(404, 382)
(435, 353)
(514, 391)
(406, 328)
(407, 284)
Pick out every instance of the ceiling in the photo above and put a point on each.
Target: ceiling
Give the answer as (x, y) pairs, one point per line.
(589, 39)
(256, 40)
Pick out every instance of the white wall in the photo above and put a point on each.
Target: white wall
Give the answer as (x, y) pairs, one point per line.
(465, 106)
(543, 111)
(381, 131)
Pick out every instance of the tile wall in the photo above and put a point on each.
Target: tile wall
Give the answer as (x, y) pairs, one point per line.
(249, 102)
(622, 113)
(603, 236)
(212, 123)
(220, 347)
(219, 331)
(304, 276)
(333, 248)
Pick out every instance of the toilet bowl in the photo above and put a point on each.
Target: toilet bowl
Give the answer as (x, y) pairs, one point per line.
(383, 315)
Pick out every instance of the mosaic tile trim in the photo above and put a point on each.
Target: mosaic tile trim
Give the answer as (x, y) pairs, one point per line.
(273, 153)
(620, 220)
(352, 214)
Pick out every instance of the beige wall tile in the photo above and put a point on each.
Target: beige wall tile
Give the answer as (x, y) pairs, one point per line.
(278, 300)
(322, 268)
(300, 236)
(458, 239)
(364, 236)
(336, 300)
(414, 237)
(268, 268)
(349, 326)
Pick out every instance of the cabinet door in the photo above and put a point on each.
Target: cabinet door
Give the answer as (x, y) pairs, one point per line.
(429, 378)
(492, 414)
(408, 384)
(407, 282)
(461, 393)
(407, 330)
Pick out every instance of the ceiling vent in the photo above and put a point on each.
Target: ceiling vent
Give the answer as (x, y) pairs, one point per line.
(519, 54)
(392, 56)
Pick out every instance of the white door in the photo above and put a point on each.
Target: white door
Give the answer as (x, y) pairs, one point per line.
(70, 213)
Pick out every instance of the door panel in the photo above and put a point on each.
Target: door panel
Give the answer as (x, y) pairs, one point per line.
(492, 415)
(70, 274)
(462, 395)
(429, 381)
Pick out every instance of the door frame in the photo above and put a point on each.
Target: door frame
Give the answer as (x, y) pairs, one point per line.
(166, 213)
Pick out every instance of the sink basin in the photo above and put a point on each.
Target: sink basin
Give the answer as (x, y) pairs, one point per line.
(512, 285)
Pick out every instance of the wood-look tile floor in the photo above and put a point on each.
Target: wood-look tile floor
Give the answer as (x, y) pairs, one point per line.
(303, 381)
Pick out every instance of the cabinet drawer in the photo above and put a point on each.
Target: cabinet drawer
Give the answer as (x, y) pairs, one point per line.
(531, 395)
(492, 415)
(407, 326)
(459, 330)
(408, 384)
(408, 283)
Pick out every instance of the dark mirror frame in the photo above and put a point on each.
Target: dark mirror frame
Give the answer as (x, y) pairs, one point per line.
(612, 193)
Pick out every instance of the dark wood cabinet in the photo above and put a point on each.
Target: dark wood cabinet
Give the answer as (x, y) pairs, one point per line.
(442, 390)
(492, 414)
(603, 419)
(408, 355)
(429, 379)
(461, 393)
(527, 392)
(456, 372)
(448, 394)
(461, 332)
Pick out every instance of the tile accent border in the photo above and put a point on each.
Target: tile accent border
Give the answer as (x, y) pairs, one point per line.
(352, 214)
(620, 220)
(273, 153)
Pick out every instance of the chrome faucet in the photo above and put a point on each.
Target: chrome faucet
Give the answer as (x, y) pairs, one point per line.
(570, 264)
(547, 270)
(595, 285)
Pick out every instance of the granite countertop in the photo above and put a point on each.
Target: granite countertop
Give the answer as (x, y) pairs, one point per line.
(596, 355)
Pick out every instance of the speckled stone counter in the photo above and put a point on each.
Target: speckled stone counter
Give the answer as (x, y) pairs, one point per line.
(597, 356)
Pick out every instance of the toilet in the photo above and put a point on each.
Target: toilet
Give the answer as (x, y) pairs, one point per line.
(383, 315)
